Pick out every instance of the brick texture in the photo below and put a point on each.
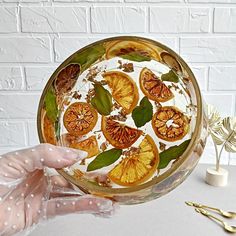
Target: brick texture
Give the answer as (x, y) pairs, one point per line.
(225, 20)
(37, 35)
(208, 49)
(25, 49)
(53, 19)
(177, 20)
(8, 19)
(118, 19)
(11, 78)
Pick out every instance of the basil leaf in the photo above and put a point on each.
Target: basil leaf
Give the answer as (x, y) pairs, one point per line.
(171, 76)
(51, 105)
(142, 113)
(105, 159)
(102, 101)
(172, 153)
(135, 56)
(87, 57)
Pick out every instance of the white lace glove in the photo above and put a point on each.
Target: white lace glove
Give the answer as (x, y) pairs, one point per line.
(28, 195)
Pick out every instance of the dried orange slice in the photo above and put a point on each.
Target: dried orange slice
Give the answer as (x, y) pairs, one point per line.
(49, 135)
(67, 78)
(139, 166)
(153, 87)
(124, 89)
(90, 145)
(67, 139)
(170, 124)
(119, 135)
(80, 118)
(77, 174)
(171, 61)
(124, 47)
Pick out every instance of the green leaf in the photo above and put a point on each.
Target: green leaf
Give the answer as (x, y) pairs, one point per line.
(135, 56)
(171, 76)
(142, 113)
(102, 101)
(90, 55)
(172, 153)
(57, 129)
(105, 159)
(51, 105)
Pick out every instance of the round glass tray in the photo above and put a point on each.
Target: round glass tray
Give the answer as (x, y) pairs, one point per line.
(135, 107)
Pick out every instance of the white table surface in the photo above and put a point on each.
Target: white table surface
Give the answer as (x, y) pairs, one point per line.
(166, 216)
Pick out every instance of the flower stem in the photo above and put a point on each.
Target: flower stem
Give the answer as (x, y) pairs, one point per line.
(217, 156)
(222, 147)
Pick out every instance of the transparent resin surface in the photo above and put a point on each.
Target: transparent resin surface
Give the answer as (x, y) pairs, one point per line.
(133, 105)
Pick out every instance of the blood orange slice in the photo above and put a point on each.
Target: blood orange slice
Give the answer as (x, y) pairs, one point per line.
(80, 118)
(67, 78)
(90, 145)
(138, 167)
(170, 124)
(124, 89)
(119, 135)
(153, 87)
(67, 139)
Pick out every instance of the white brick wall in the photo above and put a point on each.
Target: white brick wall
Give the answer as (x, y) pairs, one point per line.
(53, 19)
(8, 20)
(179, 20)
(37, 35)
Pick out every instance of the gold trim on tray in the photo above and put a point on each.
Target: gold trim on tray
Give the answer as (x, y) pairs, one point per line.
(88, 187)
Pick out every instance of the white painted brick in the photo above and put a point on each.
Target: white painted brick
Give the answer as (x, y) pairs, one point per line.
(118, 19)
(222, 78)
(225, 19)
(12, 134)
(18, 105)
(32, 133)
(235, 106)
(25, 49)
(33, 1)
(232, 158)
(200, 73)
(11, 78)
(91, 1)
(8, 19)
(65, 46)
(208, 49)
(223, 102)
(157, 1)
(177, 20)
(53, 19)
(211, 1)
(37, 77)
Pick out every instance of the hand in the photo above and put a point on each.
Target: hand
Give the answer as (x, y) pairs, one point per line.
(28, 194)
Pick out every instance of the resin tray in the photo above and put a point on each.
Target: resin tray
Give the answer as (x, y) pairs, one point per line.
(135, 107)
